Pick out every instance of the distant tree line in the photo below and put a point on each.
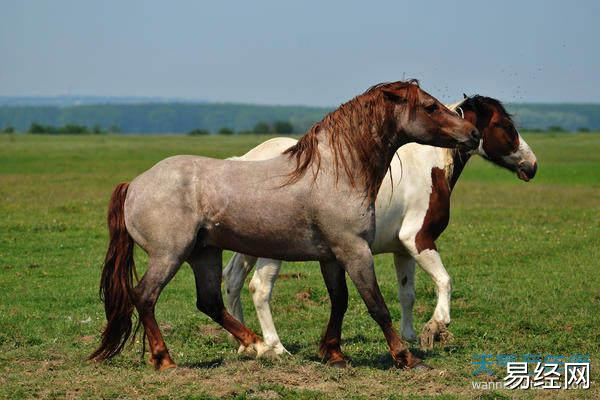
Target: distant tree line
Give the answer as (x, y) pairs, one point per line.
(69, 129)
(556, 117)
(245, 118)
(163, 118)
(261, 127)
(280, 127)
(553, 128)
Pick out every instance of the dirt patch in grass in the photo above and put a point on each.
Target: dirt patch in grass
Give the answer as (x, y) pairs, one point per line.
(214, 331)
(234, 378)
(252, 378)
(293, 275)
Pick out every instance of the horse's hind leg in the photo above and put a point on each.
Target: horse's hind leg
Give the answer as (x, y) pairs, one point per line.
(261, 287)
(405, 271)
(235, 274)
(335, 280)
(207, 265)
(160, 271)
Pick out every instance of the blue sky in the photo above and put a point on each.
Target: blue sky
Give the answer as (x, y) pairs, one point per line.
(303, 52)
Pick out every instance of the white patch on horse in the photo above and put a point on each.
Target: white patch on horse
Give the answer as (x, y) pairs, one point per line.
(521, 155)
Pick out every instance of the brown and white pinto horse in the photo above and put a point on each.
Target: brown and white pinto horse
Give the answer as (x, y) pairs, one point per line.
(409, 217)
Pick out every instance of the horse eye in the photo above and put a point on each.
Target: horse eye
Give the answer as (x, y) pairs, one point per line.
(431, 108)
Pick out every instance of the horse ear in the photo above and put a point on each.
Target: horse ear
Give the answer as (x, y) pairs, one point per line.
(465, 96)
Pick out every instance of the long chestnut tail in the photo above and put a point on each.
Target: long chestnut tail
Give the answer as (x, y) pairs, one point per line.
(117, 280)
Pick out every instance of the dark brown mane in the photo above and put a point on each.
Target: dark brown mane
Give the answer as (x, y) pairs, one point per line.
(477, 100)
(358, 132)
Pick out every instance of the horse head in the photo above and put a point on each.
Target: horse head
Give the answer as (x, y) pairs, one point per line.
(421, 118)
(501, 142)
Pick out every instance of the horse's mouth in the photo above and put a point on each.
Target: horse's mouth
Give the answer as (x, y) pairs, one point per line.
(526, 170)
(523, 175)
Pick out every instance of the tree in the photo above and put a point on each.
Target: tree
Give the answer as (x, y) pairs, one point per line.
(262, 127)
(37, 128)
(225, 131)
(283, 127)
(67, 129)
(8, 129)
(73, 129)
(555, 128)
(197, 132)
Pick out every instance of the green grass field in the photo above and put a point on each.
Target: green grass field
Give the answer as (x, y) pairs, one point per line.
(524, 258)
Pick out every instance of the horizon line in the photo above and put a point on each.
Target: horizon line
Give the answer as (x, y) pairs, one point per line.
(189, 100)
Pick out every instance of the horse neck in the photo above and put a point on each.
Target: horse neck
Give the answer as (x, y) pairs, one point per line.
(363, 174)
(455, 161)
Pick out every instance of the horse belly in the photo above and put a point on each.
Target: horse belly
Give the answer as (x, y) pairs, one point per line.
(389, 219)
(281, 244)
(273, 222)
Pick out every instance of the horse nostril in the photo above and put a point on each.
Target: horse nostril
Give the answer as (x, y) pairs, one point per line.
(533, 169)
(475, 135)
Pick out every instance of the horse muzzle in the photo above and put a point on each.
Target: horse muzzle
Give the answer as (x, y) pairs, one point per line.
(526, 170)
(472, 142)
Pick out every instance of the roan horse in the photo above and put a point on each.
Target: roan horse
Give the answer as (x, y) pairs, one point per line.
(188, 208)
(409, 217)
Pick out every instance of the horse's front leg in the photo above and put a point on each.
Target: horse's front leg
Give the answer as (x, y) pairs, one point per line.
(436, 329)
(421, 245)
(330, 346)
(358, 262)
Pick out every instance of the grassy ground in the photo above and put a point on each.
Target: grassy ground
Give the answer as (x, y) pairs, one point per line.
(523, 257)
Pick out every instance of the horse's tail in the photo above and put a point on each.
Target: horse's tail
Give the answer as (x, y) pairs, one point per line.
(117, 280)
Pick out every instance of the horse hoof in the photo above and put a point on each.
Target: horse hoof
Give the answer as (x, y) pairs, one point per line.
(337, 364)
(426, 341)
(257, 350)
(249, 351)
(281, 351)
(167, 366)
(410, 337)
(162, 364)
(428, 335)
(269, 353)
(433, 332)
(445, 336)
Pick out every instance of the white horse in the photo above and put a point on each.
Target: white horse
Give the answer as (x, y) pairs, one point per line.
(409, 217)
